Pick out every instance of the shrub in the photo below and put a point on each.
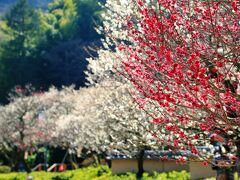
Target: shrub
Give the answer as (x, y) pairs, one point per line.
(5, 169)
(61, 177)
(174, 175)
(94, 173)
(102, 171)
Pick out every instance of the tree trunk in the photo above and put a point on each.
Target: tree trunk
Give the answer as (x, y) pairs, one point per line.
(96, 160)
(140, 160)
(238, 160)
(21, 163)
(228, 173)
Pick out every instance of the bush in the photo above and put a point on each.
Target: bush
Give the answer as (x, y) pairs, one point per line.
(94, 173)
(174, 175)
(5, 169)
(60, 177)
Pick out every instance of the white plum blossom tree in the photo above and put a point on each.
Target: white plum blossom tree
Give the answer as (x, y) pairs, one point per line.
(81, 129)
(31, 119)
(20, 127)
(129, 129)
(54, 105)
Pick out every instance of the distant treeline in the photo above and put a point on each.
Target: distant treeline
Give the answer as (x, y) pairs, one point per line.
(47, 47)
(5, 4)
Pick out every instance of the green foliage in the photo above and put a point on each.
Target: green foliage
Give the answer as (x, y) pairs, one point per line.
(76, 18)
(88, 17)
(31, 159)
(18, 62)
(5, 169)
(62, 177)
(30, 37)
(96, 173)
(21, 25)
(65, 15)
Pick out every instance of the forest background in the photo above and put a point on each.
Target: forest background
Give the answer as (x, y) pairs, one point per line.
(45, 43)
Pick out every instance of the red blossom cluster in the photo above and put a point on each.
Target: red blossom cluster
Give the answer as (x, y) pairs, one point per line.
(184, 60)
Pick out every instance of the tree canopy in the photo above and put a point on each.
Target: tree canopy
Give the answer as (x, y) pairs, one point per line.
(31, 37)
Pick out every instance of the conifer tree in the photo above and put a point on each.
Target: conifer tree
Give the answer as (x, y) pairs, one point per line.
(21, 26)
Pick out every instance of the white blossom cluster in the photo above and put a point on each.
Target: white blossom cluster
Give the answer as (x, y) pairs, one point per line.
(127, 126)
(29, 121)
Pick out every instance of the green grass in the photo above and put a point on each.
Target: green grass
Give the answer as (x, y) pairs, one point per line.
(94, 173)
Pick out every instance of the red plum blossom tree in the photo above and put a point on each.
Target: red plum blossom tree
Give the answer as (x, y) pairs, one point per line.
(183, 58)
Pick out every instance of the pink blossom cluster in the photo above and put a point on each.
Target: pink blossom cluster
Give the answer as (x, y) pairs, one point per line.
(183, 59)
